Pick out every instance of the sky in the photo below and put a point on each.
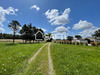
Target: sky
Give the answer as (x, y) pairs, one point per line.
(70, 17)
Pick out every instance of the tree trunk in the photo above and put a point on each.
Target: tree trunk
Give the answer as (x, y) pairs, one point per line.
(14, 37)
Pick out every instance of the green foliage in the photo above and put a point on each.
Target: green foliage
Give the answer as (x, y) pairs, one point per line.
(28, 32)
(78, 36)
(14, 26)
(9, 36)
(70, 38)
(97, 33)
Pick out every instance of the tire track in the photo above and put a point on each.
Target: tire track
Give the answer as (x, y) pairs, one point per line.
(51, 70)
(34, 56)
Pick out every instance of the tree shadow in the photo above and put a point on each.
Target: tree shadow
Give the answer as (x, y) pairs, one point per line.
(10, 44)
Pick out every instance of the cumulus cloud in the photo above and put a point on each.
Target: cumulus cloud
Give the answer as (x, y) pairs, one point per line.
(4, 12)
(35, 7)
(88, 32)
(1, 29)
(42, 29)
(82, 25)
(61, 29)
(56, 19)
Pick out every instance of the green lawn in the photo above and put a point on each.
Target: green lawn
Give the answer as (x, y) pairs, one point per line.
(14, 57)
(39, 66)
(75, 59)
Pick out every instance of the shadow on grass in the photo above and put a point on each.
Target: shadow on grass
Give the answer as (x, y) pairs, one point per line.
(29, 43)
(10, 44)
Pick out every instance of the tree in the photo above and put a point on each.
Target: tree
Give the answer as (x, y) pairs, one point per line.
(28, 33)
(96, 33)
(14, 26)
(70, 38)
(78, 37)
(24, 32)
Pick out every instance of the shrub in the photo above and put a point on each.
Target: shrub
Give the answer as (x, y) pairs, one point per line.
(92, 43)
(81, 43)
(95, 43)
(86, 44)
(77, 43)
(73, 43)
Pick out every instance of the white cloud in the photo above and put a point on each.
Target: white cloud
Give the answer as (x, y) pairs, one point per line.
(42, 29)
(56, 19)
(1, 29)
(88, 32)
(82, 25)
(61, 30)
(35, 7)
(4, 12)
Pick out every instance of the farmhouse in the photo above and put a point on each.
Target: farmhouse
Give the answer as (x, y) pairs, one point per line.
(95, 39)
(81, 40)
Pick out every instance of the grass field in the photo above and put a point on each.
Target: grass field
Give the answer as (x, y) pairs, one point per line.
(67, 59)
(14, 57)
(75, 60)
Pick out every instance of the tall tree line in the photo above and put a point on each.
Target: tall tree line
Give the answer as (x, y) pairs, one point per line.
(9, 36)
(28, 33)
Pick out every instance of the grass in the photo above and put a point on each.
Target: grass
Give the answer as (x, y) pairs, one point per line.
(14, 57)
(39, 66)
(75, 59)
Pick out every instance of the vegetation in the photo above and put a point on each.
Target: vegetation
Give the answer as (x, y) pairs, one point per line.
(28, 33)
(14, 57)
(75, 59)
(78, 36)
(39, 66)
(9, 36)
(14, 26)
(97, 33)
(70, 38)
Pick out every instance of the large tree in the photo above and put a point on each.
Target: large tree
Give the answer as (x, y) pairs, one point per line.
(78, 37)
(96, 33)
(14, 26)
(24, 32)
(70, 38)
(28, 33)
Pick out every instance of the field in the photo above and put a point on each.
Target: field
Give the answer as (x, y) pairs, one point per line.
(66, 59)
(75, 59)
(14, 57)
(11, 40)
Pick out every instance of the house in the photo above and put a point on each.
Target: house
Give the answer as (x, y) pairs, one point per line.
(48, 38)
(81, 40)
(39, 36)
(95, 39)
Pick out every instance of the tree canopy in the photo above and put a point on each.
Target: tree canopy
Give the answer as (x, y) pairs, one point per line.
(96, 33)
(14, 26)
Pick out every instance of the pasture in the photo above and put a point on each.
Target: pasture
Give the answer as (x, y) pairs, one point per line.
(14, 57)
(75, 59)
(66, 59)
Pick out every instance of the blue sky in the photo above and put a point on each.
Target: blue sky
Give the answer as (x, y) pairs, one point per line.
(69, 17)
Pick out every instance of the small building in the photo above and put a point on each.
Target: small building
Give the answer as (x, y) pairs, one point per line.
(39, 36)
(81, 40)
(95, 39)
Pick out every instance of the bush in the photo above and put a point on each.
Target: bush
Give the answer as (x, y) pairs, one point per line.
(95, 43)
(92, 43)
(86, 44)
(77, 43)
(73, 43)
(81, 43)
